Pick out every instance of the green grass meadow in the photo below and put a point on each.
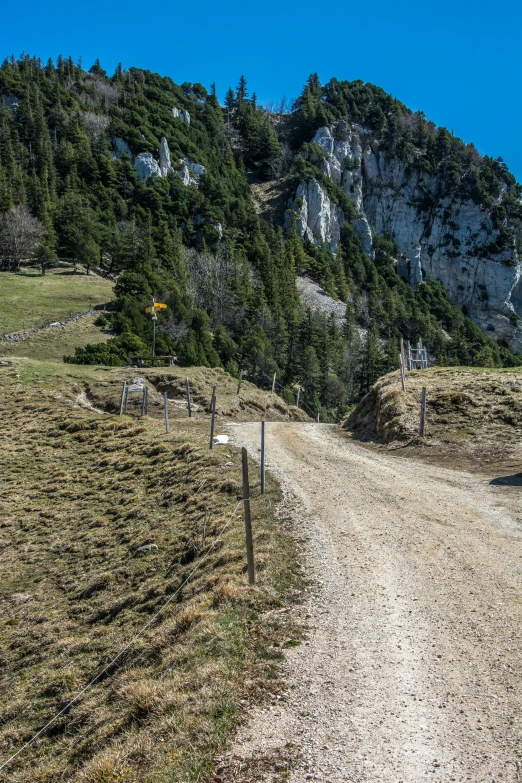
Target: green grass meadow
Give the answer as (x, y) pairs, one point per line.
(31, 299)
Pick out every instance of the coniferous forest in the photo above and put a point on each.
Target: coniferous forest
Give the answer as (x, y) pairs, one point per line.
(227, 274)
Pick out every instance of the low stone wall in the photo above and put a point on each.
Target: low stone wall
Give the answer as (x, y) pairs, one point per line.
(25, 333)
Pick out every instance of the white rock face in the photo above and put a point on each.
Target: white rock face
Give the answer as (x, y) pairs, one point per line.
(318, 217)
(196, 168)
(120, 148)
(164, 158)
(442, 240)
(190, 172)
(183, 114)
(146, 166)
(186, 176)
(11, 101)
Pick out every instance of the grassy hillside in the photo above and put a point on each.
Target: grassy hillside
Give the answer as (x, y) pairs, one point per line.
(227, 274)
(31, 299)
(82, 491)
(474, 416)
(55, 343)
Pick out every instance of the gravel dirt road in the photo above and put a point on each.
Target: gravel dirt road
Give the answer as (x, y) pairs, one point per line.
(411, 666)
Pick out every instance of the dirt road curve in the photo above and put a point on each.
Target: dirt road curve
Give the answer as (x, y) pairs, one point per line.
(412, 666)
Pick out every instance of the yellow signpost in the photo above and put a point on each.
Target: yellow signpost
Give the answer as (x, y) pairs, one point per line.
(152, 310)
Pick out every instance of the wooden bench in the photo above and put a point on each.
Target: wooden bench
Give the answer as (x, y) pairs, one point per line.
(143, 360)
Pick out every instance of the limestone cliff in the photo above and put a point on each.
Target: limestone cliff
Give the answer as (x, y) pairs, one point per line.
(446, 237)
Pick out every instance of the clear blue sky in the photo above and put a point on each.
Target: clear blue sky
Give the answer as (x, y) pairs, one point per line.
(459, 62)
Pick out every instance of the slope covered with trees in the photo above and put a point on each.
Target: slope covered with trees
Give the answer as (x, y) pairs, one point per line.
(227, 274)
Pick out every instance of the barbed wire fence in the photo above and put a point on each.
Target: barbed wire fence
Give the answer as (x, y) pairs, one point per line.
(106, 670)
(114, 664)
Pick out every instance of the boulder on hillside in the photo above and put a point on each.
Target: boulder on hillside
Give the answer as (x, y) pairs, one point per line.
(120, 148)
(190, 172)
(146, 166)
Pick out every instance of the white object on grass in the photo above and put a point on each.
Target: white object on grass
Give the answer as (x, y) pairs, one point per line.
(221, 440)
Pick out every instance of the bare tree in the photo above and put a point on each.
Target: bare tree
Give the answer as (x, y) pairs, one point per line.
(95, 124)
(409, 122)
(105, 91)
(20, 233)
(281, 164)
(283, 106)
(211, 286)
(87, 99)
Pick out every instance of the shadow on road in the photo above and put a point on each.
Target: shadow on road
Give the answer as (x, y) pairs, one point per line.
(508, 481)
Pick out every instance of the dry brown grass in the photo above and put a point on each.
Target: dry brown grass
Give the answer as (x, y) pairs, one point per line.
(252, 403)
(81, 492)
(474, 416)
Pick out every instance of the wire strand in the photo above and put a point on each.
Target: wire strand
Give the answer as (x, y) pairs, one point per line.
(106, 668)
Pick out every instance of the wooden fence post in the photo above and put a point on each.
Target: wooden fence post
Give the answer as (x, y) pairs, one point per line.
(126, 400)
(239, 383)
(318, 417)
(401, 366)
(298, 395)
(273, 383)
(403, 354)
(187, 384)
(248, 519)
(123, 396)
(212, 420)
(262, 457)
(143, 395)
(166, 403)
(422, 428)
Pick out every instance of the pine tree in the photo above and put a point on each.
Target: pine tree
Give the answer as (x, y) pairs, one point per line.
(241, 92)
(230, 100)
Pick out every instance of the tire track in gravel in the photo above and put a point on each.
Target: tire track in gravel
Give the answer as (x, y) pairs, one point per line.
(411, 667)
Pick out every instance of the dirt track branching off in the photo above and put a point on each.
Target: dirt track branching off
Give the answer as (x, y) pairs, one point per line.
(474, 416)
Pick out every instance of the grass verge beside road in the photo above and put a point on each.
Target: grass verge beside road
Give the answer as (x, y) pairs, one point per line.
(82, 491)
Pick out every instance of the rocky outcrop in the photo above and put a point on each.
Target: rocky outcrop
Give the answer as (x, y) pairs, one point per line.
(190, 172)
(183, 114)
(442, 237)
(146, 166)
(164, 158)
(318, 217)
(11, 102)
(120, 148)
